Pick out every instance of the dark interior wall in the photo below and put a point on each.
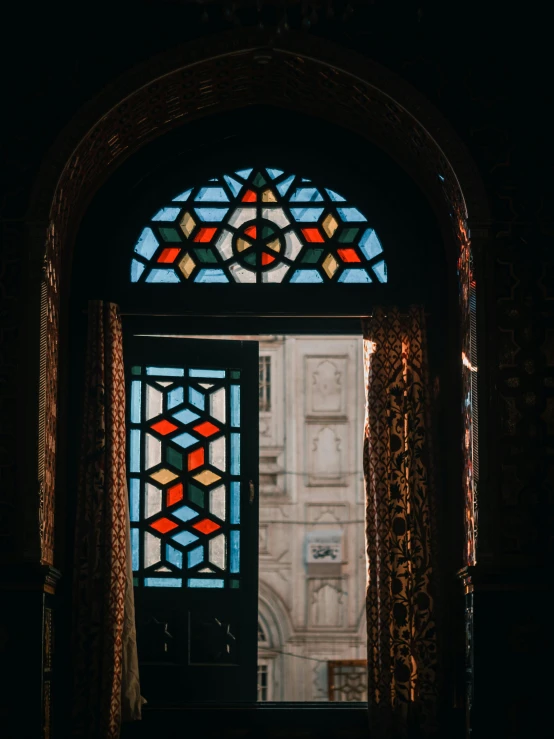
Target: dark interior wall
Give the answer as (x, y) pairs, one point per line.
(486, 68)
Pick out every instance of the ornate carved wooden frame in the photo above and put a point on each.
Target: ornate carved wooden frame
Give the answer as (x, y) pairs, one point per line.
(234, 70)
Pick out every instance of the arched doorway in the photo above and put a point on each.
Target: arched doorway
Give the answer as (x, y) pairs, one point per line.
(294, 78)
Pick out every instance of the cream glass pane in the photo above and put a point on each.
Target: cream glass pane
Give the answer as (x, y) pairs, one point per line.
(217, 453)
(153, 452)
(152, 549)
(217, 404)
(217, 551)
(152, 500)
(153, 402)
(217, 502)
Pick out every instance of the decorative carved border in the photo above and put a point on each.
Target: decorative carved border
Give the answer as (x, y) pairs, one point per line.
(231, 71)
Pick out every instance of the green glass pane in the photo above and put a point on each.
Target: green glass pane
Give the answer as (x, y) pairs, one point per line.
(196, 496)
(267, 231)
(169, 234)
(136, 580)
(205, 255)
(259, 180)
(234, 583)
(251, 259)
(174, 458)
(348, 235)
(312, 255)
(135, 370)
(235, 374)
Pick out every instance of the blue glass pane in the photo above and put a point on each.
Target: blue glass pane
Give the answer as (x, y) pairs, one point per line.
(206, 373)
(174, 556)
(274, 173)
(137, 268)
(235, 502)
(183, 196)
(196, 556)
(370, 244)
(335, 197)
(235, 454)
(304, 180)
(171, 371)
(175, 397)
(306, 275)
(216, 194)
(235, 552)
(355, 275)
(284, 185)
(306, 194)
(380, 269)
(203, 582)
(147, 244)
(211, 275)
(162, 275)
(211, 214)
(351, 214)
(184, 440)
(185, 416)
(163, 582)
(167, 214)
(196, 398)
(234, 186)
(235, 406)
(184, 513)
(135, 401)
(135, 548)
(245, 173)
(306, 214)
(134, 499)
(134, 462)
(184, 538)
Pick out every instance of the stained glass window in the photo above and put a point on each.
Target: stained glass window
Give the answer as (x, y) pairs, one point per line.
(184, 476)
(258, 226)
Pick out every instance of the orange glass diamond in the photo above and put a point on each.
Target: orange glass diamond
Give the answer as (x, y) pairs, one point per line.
(174, 494)
(249, 197)
(267, 259)
(164, 427)
(196, 459)
(205, 234)
(206, 428)
(348, 255)
(163, 525)
(205, 526)
(168, 255)
(251, 231)
(312, 235)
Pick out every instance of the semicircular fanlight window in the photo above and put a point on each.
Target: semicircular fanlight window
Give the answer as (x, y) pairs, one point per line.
(258, 226)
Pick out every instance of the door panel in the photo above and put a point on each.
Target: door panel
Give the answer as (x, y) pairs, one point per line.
(192, 462)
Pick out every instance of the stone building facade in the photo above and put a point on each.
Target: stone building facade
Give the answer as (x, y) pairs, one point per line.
(312, 553)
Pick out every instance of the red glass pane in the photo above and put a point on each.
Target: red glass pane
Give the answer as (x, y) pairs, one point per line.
(251, 231)
(168, 255)
(174, 494)
(249, 197)
(205, 526)
(348, 255)
(312, 235)
(164, 427)
(206, 428)
(205, 234)
(196, 459)
(163, 525)
(267, 258)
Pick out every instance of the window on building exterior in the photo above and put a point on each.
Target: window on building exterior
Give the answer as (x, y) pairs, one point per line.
(258, 226)
(263, 682)
(265, 384)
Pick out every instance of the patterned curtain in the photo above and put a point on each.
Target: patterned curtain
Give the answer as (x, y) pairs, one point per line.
(400, 528)
(106, 688)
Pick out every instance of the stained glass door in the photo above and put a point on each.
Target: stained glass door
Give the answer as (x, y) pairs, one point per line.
(193, 474)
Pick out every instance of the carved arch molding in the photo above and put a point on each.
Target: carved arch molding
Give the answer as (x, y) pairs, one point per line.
(303, 74)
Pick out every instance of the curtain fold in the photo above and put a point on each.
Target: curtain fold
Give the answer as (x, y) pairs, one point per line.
(106, 687)
(400, 527)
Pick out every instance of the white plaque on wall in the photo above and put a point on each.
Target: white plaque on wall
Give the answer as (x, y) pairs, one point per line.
(324, 547)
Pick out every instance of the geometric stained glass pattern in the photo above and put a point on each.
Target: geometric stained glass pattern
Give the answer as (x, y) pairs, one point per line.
(184, 476)
(258, 226)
